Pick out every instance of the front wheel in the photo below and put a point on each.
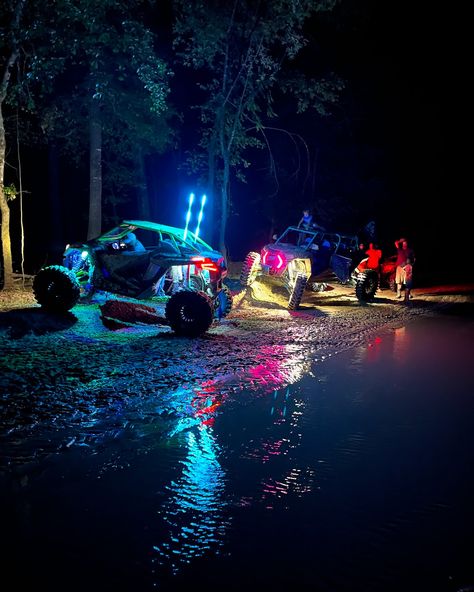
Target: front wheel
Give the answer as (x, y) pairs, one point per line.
(297, 292)
(249, 269)
(56, 288)
(366, 286)
(189, 313)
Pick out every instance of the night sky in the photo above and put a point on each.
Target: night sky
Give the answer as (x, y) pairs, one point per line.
(386, 150)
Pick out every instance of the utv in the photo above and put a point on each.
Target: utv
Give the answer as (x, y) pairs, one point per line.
(302, 259)
(142, 260)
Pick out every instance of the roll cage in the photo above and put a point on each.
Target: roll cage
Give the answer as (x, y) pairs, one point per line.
(309, 240)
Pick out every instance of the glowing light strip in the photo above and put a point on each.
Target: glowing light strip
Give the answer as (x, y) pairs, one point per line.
(188, 215)
(203, 201)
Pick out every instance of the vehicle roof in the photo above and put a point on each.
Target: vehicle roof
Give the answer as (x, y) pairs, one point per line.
(191, 238)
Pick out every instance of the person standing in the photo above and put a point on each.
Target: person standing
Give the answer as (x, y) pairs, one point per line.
(404, 252)
(306, 220)
(374, 254)
(408, 269)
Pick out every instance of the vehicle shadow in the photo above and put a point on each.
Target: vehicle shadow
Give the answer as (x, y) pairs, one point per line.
(19, 322)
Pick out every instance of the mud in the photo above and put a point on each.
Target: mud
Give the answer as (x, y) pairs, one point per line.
(60, 372)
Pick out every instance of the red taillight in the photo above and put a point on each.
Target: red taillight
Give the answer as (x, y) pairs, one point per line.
(264, 256)
(280, 260)
(204, 263)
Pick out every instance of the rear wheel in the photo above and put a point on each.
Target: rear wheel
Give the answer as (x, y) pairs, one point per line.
(249, 269)
(189, 313)
(297, 292)
(366, 286)
(56, 288)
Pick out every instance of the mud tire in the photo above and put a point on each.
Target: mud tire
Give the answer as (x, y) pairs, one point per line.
(83, 272)
(297, 292)
(56, 288)
(366, 286)
(224, 301)
(249, 270)
(189, 313)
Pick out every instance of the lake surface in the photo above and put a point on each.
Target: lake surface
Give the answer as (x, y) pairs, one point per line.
(358, 477)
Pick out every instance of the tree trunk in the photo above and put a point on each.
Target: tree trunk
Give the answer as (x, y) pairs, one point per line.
(6, 241)
(210, 192)
(142, 189)
(4, 207)
(224, 204)
(95, 171)
(55, 209)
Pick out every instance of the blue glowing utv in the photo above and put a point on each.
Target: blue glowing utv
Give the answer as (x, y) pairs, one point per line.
(142, 260)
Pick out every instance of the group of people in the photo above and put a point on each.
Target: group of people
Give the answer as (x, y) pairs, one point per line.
(373, 255)
(403, 265)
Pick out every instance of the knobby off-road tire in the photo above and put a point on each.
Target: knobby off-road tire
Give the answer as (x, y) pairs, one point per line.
(366, 286)
(83, 270)
(189, 313)
(249, 270)
(224, 301)
(297, 292)
(56, 288)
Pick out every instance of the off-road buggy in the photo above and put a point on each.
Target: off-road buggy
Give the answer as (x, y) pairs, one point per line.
(301, 259)
(386, 272)
(142, 260)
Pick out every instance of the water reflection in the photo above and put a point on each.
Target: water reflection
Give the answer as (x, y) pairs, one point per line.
(195, 511)
(173, 432)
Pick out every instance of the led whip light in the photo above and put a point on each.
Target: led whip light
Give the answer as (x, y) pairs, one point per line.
(203, 201)
(188, 214)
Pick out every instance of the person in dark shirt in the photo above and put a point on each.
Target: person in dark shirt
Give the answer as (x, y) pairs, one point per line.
(132, 243)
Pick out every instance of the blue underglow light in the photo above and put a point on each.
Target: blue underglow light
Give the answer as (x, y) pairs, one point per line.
(188, 214)
(203, 201)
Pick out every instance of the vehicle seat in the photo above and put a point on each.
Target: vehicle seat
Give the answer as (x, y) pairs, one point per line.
(165, 249)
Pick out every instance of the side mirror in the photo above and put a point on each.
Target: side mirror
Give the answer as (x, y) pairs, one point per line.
(274, 237)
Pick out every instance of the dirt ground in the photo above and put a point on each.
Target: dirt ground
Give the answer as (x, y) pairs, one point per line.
(59, 370)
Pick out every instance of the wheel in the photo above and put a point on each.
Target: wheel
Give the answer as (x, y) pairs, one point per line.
(83, 270)
(366, 286)
(249, 270)
(56, 288)
(297, 292)
(189, 313)
(223, 302)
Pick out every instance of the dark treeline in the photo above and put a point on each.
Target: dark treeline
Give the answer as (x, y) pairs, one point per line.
(119, 109)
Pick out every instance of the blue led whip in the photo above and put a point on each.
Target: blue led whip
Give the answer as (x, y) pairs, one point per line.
(203, 201)
(188, 215)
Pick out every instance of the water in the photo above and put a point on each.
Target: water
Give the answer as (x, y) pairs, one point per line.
(358, 477)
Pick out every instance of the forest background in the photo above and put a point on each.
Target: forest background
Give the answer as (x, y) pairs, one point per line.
(114, 109)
